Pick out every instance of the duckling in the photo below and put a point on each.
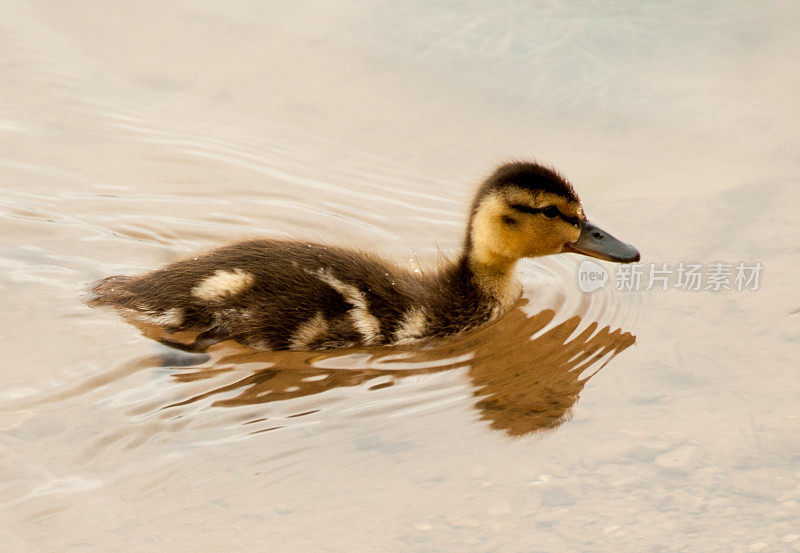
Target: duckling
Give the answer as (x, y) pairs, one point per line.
(277, 294)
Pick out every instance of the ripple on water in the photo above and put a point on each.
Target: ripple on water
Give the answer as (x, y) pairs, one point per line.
(519, 375)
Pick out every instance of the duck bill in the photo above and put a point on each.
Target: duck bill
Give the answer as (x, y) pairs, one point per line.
(595, 242)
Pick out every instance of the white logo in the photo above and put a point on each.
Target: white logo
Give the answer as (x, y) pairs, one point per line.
(591, 276)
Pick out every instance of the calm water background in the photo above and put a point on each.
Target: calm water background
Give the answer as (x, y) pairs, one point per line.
(133, 134)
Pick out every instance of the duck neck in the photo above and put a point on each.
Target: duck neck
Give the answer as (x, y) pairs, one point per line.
(493, 275)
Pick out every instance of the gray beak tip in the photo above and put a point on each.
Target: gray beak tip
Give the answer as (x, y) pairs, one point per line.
(595, 242)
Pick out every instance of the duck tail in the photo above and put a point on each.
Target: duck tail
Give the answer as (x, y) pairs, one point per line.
(111, 291)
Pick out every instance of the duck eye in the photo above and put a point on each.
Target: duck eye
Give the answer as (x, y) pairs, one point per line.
(550, 211)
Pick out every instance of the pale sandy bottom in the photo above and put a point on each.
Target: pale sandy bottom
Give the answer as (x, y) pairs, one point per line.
(133, 134)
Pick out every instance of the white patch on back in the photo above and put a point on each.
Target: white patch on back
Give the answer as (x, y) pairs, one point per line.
(262, 345)
(364, 321)
(223, 283)
(169, 317)
(309, 331)
(412, 326)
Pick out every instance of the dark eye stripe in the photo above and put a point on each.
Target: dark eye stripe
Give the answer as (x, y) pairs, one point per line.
(526, 208)
(534, 210)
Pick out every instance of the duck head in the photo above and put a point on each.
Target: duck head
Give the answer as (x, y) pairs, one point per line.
(527, 210)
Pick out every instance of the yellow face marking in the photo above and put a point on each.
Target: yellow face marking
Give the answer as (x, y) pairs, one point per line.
(489, 239)
(501, 235)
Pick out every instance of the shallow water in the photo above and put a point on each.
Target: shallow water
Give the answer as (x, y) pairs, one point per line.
(610, 421)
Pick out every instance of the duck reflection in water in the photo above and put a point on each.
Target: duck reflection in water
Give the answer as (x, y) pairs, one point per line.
(526, 372)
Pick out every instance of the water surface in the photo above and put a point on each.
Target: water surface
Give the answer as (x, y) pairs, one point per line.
(611, 421)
